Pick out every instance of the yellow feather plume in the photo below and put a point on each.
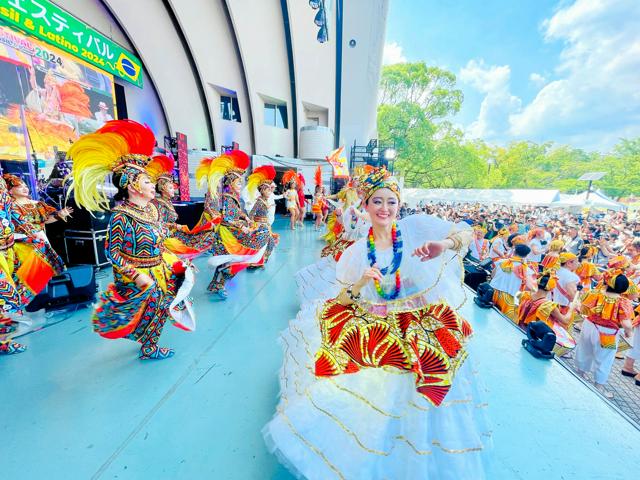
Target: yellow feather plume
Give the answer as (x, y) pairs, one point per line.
(93, 156)
(202, 172)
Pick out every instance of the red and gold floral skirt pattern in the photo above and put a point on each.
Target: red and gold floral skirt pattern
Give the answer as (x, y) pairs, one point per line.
(427, 342)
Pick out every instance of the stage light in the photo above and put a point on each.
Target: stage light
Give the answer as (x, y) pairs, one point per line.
(390, 154)
(315, 4)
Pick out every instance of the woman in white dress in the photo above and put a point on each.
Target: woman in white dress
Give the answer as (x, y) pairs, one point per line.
(376, 382)
(318, 280)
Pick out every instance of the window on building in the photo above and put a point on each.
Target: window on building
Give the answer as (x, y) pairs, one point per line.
(275, 115)
(229, 108)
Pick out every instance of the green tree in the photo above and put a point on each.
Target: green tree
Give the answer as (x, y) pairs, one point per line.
(417, 104)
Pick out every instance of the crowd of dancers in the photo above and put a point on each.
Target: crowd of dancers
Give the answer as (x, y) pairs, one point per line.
(376, 380)
(579, 273)
(149, 252)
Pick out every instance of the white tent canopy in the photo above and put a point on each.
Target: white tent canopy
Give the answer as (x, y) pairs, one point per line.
(596, 200)
(473, 195)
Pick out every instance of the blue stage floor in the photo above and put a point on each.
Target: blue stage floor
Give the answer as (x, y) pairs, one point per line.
(75, 406)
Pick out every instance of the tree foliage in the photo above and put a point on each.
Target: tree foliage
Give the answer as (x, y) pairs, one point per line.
(417, 104)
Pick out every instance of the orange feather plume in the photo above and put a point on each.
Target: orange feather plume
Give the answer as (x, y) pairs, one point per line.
(318, 176)
(158, 166)
(289, 176)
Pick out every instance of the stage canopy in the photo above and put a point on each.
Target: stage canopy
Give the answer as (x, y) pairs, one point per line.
(597, 200)
(487, 196)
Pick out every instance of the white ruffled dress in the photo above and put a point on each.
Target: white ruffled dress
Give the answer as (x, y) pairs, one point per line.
(373, 424)
(318, 280)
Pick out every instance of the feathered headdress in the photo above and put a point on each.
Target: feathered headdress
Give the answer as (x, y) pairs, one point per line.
(301, 181)
(230, 164)
(263, 175)
(377, 179)
(160, 168)
(318, 176)
(120, 146)
(289, 176)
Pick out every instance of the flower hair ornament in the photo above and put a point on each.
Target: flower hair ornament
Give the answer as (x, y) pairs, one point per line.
(121, 147)
(377, 179)
(223, 169)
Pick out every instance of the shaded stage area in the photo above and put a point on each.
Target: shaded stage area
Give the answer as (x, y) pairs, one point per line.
(78, 406)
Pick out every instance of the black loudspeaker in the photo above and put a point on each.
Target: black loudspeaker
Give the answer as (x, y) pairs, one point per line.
(82, 219)
(86, 247)
(474, 275)
(76, 285)
(484, 298)
(540, 340)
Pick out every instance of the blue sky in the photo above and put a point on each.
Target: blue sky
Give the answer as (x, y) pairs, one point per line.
(561, 70)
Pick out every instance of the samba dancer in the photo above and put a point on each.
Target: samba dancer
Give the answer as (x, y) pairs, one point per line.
(194, 241)
(239, 241)
(33, 215)
(147, 277)
(289, 180)
(259, 189)
(396, 395)
(26, 266)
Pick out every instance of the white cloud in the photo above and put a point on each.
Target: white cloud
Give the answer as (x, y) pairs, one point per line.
(392, 53)
(595, 99)
(498, 103)
(537, 79)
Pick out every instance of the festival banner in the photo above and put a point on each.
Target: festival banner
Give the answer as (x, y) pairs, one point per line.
(339, 163)
(46, 21)
(47, 98)
(183, 167)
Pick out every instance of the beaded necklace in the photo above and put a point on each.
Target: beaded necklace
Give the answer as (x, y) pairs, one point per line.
(396, 236)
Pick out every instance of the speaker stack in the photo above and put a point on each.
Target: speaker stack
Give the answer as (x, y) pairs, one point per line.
(84, 242)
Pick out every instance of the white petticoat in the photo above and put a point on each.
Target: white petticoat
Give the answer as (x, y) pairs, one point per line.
(373, 424)
(317, 281)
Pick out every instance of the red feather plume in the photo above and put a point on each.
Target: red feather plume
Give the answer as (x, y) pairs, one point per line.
(268, 171)
(318, 176)
(240, 159)
(139, 137)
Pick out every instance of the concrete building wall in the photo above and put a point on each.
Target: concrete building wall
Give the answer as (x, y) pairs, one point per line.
(152, 32)
(261, 37)
(365, 23)
(212, 42)
(239, 47)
